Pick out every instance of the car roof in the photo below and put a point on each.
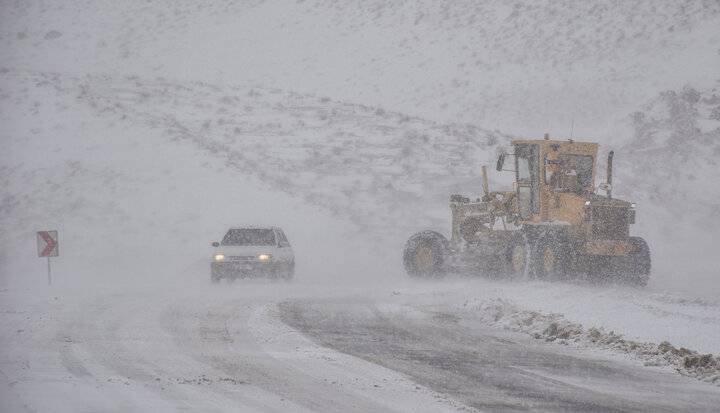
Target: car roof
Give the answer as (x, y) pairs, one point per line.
(254, 227)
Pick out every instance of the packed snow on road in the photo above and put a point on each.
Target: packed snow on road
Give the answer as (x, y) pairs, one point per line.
(359, 206)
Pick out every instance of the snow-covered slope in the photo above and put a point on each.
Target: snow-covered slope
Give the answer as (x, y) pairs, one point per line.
(677, 137)
(131, 203)
(523, 67)
(670, 168)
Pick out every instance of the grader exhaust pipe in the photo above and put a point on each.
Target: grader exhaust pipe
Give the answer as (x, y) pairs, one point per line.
(486, 187)
(609, 173)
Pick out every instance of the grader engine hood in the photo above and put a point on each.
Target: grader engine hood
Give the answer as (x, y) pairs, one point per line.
(608, 218)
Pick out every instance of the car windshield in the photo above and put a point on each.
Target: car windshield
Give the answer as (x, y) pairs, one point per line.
(249, 236)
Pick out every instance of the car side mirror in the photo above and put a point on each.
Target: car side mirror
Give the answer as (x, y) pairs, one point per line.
(215, 244)
(500, 161)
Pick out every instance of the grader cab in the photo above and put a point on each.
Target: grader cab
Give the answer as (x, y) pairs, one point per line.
(553, 224)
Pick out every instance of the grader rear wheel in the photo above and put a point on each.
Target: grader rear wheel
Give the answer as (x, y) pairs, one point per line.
(549, 259)
(519, 259)
(555, 256)
(551, 256)
(635, 267)
(538, 255)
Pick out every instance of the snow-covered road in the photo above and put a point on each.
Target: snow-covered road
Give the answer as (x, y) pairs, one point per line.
(489, 369)
(303, 347)
(201, 350)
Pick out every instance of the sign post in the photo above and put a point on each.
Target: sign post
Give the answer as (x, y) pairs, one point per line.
(49, 272)
(48, 246)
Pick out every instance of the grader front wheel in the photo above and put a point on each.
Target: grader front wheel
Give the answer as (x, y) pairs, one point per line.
(423, 259)
(425, 254)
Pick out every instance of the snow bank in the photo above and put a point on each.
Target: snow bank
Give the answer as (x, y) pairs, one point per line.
(675, 331)
(638, 315)
(556, 328)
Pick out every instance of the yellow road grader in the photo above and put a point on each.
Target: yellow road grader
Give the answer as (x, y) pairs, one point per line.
(553, 224)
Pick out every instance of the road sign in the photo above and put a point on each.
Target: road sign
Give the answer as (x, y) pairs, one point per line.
(47, 244)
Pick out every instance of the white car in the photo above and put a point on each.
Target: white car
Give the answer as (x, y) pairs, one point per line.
(247, 251)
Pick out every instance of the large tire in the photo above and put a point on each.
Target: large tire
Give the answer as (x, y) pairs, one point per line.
(426, 254)
(519, 256)
(551, 256)
(637, 264)
(538, 254)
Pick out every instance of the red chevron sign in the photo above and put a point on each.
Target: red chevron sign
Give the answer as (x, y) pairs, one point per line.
(47, 244)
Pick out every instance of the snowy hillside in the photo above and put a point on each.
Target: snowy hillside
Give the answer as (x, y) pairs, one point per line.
(677, 137)
(526, 67)
(389, 174)
(358, 163)
(131, 202)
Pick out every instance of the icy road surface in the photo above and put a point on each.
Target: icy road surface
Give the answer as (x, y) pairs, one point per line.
(489, 369)
(297, 347)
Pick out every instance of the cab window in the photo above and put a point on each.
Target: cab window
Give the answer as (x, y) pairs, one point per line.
(579, 165)
(569, 172)
(526, 163)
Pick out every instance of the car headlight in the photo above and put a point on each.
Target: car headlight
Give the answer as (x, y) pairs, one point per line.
(264, 257)
(219, 257)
